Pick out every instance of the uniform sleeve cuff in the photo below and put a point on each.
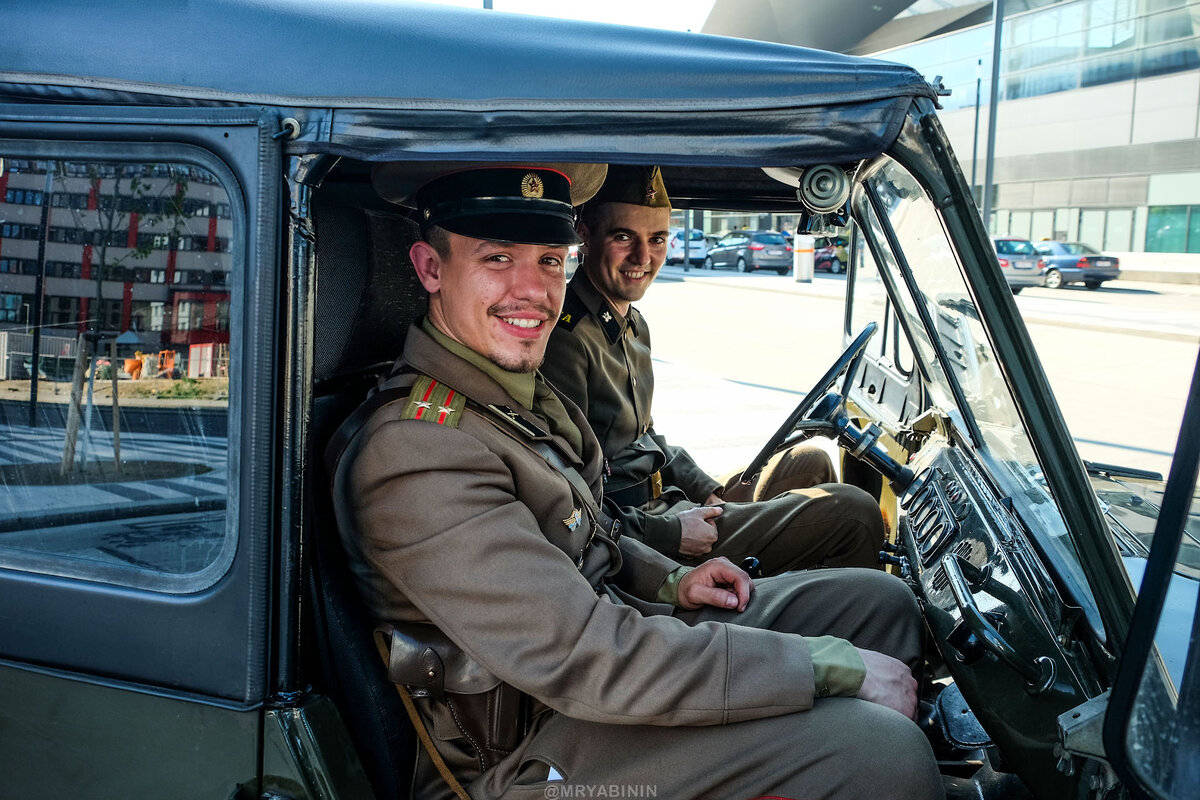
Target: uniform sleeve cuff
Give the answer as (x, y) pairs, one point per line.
(838, 669)
(669, 591)
(663, 532)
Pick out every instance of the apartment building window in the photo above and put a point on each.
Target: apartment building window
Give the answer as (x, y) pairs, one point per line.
(10, 307)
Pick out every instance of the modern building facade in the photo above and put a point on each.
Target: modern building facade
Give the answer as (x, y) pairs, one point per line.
(1098, 120)
(111, 249)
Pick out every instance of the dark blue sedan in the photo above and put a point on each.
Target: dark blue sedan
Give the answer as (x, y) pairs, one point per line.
(1076, 262)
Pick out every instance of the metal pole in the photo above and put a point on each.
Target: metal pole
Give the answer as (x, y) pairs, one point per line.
(687, 239)
(998, 26)
(38, 300)
(975, 138)
(116, 409)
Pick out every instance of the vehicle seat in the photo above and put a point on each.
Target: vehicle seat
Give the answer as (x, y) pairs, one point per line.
(366, 294)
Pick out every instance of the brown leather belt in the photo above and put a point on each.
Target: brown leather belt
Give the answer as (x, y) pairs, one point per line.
(639, 493)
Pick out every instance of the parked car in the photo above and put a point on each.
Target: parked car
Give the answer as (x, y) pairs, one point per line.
(187, 627)
(830, 254)
(747, 251)
(697, 246)
(1020, 262)
(1076, 262)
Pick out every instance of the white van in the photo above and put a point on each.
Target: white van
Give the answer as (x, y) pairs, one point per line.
(697, 247)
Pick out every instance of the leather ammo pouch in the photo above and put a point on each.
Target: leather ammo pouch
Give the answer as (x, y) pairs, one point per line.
(491, 715)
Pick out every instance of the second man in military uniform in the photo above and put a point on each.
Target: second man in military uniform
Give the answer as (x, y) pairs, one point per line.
(599, 356)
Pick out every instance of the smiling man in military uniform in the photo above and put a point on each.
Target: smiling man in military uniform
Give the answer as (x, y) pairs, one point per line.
(792, 517)
(468, 499)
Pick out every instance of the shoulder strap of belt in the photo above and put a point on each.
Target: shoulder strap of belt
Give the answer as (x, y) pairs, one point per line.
(508, 422)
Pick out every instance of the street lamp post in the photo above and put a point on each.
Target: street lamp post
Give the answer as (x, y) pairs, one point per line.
(687, 239)
(997, 30)
(975, 138)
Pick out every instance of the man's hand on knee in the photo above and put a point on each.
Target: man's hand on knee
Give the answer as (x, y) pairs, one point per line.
(698, 530)
(716, 583)
(889, 682)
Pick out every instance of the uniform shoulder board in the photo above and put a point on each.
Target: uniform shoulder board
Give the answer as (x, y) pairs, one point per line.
(573, 310)
(433, 401)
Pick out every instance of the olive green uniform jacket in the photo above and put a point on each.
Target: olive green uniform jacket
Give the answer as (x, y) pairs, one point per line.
(602, 361)
(452, 520)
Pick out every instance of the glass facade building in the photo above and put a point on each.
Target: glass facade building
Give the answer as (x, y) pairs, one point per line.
(1097, 125)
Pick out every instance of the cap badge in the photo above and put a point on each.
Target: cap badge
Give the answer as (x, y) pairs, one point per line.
(532, 185)
(650, 191)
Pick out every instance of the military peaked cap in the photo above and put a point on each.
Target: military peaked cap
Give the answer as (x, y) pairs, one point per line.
(525, 204)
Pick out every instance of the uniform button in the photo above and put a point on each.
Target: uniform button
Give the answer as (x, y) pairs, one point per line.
(824, 692)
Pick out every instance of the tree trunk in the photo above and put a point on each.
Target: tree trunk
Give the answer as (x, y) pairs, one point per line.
(116, 410)
(81, 361)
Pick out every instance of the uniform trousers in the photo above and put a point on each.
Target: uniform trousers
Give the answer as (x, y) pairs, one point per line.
(799, 467)
(841, 748)
(831, 525)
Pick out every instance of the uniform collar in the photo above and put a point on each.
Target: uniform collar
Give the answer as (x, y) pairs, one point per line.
(426, 351)
(517, 385)
(611, 322)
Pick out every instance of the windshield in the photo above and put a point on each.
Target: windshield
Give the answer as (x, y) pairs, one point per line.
(770, 238)
(1015, 247)
(942, 312)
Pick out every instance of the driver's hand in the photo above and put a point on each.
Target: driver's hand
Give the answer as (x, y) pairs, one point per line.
(889, 682)
(715, 583)
(713, 500)
(697, 530)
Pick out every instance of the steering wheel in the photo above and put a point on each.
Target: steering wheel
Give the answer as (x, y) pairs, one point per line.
(802, 418)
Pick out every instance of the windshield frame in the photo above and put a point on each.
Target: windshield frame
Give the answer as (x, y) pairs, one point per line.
(923, 149)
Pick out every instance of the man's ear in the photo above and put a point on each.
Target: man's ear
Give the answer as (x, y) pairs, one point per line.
(428, 264)
(582, 229)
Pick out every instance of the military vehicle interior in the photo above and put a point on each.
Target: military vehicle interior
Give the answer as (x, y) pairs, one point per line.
(1003, 627)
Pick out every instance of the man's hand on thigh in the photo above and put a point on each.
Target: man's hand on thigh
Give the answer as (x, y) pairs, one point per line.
(889, 682)
(698, 530)
(715, 583)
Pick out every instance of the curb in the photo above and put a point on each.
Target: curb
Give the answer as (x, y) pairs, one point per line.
(1161, 276)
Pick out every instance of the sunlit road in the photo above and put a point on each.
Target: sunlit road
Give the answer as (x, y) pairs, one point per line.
(734, 352)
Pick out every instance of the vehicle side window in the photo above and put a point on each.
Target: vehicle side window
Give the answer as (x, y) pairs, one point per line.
(115, 334)
(890, 346)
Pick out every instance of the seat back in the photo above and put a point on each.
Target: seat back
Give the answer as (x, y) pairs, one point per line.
(367, 295)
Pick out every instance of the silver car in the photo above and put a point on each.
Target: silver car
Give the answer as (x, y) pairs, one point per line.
(1020, 262)
(751, 250)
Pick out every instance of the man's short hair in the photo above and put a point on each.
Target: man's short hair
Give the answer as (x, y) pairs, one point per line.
(438, 238)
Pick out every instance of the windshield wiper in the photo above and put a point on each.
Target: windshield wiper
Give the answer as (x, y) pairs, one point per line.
(1116, 471)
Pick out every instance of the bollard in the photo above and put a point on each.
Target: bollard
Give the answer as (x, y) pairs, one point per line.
(802, 258)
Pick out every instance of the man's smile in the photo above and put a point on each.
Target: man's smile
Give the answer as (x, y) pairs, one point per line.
(522, 322)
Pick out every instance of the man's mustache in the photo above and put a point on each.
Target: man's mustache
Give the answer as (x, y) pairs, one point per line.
(510, 310)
